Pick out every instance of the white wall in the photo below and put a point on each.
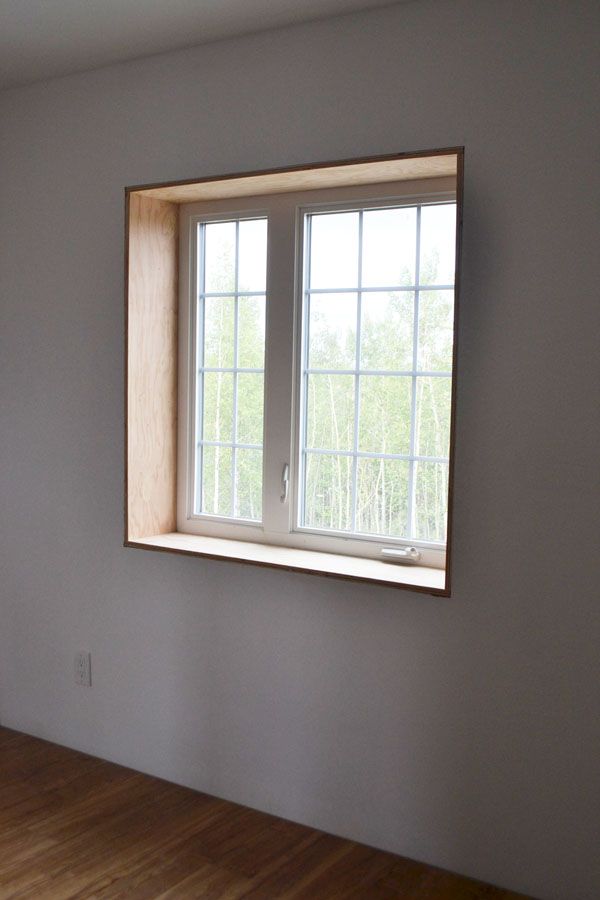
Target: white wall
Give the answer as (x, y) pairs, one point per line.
(463, 732)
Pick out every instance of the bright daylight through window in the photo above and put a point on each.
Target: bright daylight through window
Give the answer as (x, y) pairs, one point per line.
(377, 369)
(232, 269)
(367, 467)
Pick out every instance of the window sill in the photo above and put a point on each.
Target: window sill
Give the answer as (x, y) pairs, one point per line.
(373, 571)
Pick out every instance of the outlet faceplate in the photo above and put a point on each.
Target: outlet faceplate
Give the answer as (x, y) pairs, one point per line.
(83, 668)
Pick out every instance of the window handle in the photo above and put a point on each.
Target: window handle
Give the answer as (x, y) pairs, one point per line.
(402, 555)
(285, 483)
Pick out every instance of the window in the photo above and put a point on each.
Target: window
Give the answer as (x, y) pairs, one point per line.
(368, 416)
(376, 371)
(315, 369)
(225, 477)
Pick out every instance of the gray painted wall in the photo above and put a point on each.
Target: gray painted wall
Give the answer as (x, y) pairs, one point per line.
(463, 732)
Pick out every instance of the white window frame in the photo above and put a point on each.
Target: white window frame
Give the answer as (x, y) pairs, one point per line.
(283, 365)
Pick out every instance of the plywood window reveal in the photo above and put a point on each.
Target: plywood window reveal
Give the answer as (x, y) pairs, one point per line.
(225, 485)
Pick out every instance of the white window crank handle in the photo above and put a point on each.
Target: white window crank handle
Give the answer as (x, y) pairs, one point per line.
(285, 483)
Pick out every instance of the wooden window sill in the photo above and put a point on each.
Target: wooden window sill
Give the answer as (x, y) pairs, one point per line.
(352, 568)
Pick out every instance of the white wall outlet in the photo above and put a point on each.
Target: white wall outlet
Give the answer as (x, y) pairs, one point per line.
(83, 669)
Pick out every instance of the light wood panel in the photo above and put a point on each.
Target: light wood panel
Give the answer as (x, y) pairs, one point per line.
(73, 827)
(152, 366)
(353, 568)
(322, 175)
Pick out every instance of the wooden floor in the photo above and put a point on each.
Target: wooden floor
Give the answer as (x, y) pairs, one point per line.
(72, 826)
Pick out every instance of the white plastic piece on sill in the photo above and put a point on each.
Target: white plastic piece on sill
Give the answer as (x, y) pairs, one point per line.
(403, 555)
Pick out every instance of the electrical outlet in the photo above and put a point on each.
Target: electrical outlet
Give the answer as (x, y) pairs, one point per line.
(83, 669)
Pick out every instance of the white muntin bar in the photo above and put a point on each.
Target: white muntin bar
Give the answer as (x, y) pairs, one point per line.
(409, 373)
(217, 294)
(237, 444)
(366, 454)
(390, 289)
(240, 369)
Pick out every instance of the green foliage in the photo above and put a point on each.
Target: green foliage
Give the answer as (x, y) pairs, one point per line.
(387, 331)
(382, 496)
(330, 412)
(328, 495)
(384, 415)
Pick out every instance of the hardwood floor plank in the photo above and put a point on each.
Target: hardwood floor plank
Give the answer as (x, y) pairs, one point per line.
(356, 867)
(300, 868)
(73, 827)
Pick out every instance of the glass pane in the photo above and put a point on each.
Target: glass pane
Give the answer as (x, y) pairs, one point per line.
(250, 409)
(218, 332)
(219, 257)
(382, 496)
(384, 418)
(334, 250)
(438, 227)
(330, 412)
(436, 330)
(387, 331)
(252, 250)
(248, 484)
(389, 247)
(431, 499)
(216, 480)
(218, 406)
(328, 492)
(251, 332)
(432, 425)
(332, 331)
